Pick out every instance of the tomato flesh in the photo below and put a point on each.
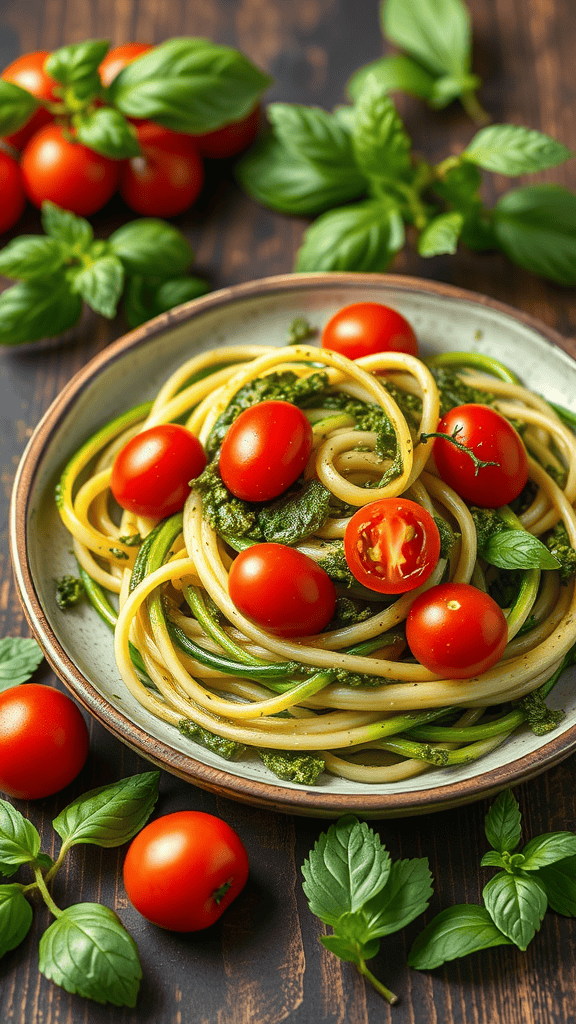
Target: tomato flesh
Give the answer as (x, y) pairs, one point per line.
(152, 472)
(265, 450)
(67, 173)
(392, 545)
(365, 328)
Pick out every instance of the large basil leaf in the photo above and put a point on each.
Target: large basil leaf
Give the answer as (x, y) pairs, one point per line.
(32, 310)
(363, 237)
(536, 228)
(455, 932)
(16, 107)
(436, 32)
(381, 145)
(394, 74)
(516, 903)
(151, 247)
(31, 256)
(511, 149)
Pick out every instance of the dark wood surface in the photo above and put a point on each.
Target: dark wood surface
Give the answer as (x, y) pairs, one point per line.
(262, 963)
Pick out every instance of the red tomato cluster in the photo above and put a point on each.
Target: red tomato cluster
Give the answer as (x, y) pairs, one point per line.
(162, 182)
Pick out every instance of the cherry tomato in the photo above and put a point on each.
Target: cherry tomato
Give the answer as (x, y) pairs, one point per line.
(43, 741)
(392, 545)
(492, 439)
(456, 630)
(12, 192)
(67, 173)
(151, 473)
(167, 178)
(231, 139)
(117, 59)
(282, 590)
(366, 328)
(182, 871)
(265, 450)
(28, 72)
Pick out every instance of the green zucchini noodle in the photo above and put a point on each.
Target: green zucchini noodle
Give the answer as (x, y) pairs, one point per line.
(352, 695)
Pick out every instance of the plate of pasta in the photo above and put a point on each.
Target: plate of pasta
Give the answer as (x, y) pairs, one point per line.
(308, 573)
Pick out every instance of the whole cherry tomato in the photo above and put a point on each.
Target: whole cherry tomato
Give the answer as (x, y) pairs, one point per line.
(28, 72)
(67, 173)
(282, 590)
(43, 741)
(117, 59)
(151, 473)
(366, 328)
(168, 176)
(182, 871)
(482, 431)
(231, 139)
(265, 450)
(392, 545)
(456, 630)
(12, 192)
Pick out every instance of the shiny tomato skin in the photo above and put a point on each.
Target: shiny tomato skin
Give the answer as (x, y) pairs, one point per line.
(151, 473)
(43, 741)
(265, 450)
(392, 545)
(67, 173)
(12, 192)
(456, 630)
(282, 590)
(28, 72)
(231, 139)
(492, 439)
(118, 58)
(167, 178)
(176, 865)
(365, 328)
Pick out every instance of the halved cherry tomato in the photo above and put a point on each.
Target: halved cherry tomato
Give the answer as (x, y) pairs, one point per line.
(231, 139)
(282, 590)
(366, 328)
(168, 176)
(183, 870)
(12, 192)
(28, 72)
(151, 473)
(392, 545)
(491, 438)
(265, 450)
(67, 173)
(456, 630)
(117, 59)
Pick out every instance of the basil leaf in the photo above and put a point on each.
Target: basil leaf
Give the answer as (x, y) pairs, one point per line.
(109, 815)
(450, 87)
(518, 549)
(404, 897)
(559, 881)
(100, 284)
(548, 849)
(503, 823)
(441, 235)
(144, 300)
(19, 658)
(363, 237)
(393, 74)
(77, 62)
(151, 247)
(19, 840)
(15, 917)
(511, 149)
(295, 515)
(347, 947)
(75, 233)
(16, 107)
(283, 180)
(89, 953)
(107, 131)
(178, 290)
(312, 133)
(455, 932)
(436, 32)
(492, 859)
(37, 309)
(347, 866)
(381, 145)
(536, 227)
(516, 904)
(189, 85)
(31, 256)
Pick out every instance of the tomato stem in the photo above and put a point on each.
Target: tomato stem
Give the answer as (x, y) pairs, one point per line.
(219, 893)
(453, 438)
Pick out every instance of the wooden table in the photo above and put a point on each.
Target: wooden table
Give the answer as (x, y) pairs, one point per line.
(262, 963)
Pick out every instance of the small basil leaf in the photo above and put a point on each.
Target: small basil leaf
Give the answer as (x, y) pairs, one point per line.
(16, 107)
(100, 284)
(548, 849)
(33, 310)
(516, 903)
(312, 134)
(455, 932)
(393, 74)
(363, 237)
(107, 131)
(347, 949)
(511, 149)
(189, 85)
(19, 658)
(109, 815)
(19, 840)
(441, 235)
(352, 929)
(77, 62)
(559, 881)
(492, 859)
(381, 145)
(151, 247)
(404, 897)
(503, 823)
(436, 32)
(31, 256)
(535, 227)
(75, 233)
(15, 917)
(518, 549)
(450, 87)
(89, 953)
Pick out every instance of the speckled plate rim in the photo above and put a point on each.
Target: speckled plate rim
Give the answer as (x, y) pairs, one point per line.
(268, 796)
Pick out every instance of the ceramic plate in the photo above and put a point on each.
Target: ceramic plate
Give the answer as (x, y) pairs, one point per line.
(79, 645)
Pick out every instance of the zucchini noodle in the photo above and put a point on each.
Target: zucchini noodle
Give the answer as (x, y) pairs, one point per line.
(350, 700)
